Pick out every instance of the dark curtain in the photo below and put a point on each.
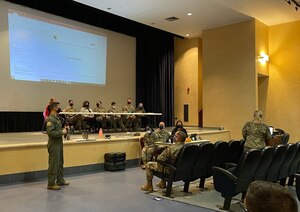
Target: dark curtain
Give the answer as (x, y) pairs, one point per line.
(155, 74)
(154, 51)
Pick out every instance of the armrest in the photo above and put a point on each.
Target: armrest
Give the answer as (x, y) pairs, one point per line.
(230, 165)
(224, 173)
(165, 164)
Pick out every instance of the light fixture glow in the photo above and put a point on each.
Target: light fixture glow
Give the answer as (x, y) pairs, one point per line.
(187, 35)
(189, 14)
(263, 58)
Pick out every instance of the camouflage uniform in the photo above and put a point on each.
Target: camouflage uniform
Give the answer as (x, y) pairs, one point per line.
(73, 119)
(162, 135)
(55, 150)
(127, 119)
(137, 121)
(101, 118)
(115, 120)
(169, 155)
(256, 133)
(149, 147)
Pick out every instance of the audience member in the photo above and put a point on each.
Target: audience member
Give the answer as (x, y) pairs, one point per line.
(255, 132)
(46, 112)
(179, 127)
(162, 133)
(169, 155)
(150, 148)
(265, 196)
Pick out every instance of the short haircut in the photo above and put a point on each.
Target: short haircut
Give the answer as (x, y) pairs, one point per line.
(182, 136)
(267, 196)
(113, 103)
(70, 100)
(258, 114)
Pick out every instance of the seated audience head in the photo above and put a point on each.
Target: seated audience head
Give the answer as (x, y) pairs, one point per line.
(149, 129)
(140, 105)
(179, 124)
(113, 105)
(161, 125)
(179, 137)
(52, 100)
(129, 100)
(265, 196)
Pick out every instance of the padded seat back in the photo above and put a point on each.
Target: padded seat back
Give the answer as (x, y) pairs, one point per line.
(273, 170)
(234, 151)
(203, 161)
(264, 163)
(184, 162)
(290, 155)
(294, 164)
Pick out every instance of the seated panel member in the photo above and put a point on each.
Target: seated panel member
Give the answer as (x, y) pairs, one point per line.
(169, 155)
(137, 121)
(73, 119)
(127, 119)
(162, 133)
(115, 120)
(101, 120)
(87, 119)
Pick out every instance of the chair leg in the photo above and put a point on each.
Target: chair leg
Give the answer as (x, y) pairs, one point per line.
(283, 182)
(169, 188)
(291, 180)
(227, 202)
(202, 182)
(186, 187)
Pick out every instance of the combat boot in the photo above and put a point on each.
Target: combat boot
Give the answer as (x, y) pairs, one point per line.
(148, 187)
(53, 187)
(63, 183)
(161, 184)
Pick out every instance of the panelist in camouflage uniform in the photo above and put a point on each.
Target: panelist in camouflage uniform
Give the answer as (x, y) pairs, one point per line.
(127, 119)
(169, 155)
(255, 132)
(162, 133)
(73, 119)
(55, 149)
(101, 120)
(115, 120)
(137, 121)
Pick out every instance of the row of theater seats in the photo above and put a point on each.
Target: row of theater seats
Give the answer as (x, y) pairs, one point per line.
(273, 164)
(232, 169)
(196, 162)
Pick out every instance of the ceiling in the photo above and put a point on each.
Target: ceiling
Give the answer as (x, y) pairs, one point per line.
(206, 14)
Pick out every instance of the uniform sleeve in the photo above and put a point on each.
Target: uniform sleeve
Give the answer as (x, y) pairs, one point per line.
(51, 130)
(165, 155)
(244, 131)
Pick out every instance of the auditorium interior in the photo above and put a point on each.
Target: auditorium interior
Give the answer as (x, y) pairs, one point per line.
(210, 64)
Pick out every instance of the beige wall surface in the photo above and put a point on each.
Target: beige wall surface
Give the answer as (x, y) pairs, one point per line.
(229, 77)
(283, 102)
(186, 77)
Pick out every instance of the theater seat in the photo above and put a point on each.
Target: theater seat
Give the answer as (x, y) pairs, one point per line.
(230, 184)
(264, 163)
(219, 156)
(181, 170)
(234, 151)
(285, 166)
(273, 170)
(294, 166)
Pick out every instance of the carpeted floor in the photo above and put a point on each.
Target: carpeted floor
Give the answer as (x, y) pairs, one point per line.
(207, 198)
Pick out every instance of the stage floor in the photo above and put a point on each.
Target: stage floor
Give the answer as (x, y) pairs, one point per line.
(41, 137)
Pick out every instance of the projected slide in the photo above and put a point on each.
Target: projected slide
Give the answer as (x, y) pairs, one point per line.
(43, 51)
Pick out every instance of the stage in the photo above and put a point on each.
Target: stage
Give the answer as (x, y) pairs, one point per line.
(24, 155)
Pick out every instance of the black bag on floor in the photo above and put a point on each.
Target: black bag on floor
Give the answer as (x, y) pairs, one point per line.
(115, 161)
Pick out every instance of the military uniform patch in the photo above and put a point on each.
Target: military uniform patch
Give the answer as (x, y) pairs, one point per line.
(49, 123)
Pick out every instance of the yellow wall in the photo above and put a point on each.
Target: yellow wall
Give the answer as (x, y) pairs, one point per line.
(283, 102)
(186, 77)
(229, 77)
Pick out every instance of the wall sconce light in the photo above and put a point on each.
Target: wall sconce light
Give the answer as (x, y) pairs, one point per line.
(263, 58)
